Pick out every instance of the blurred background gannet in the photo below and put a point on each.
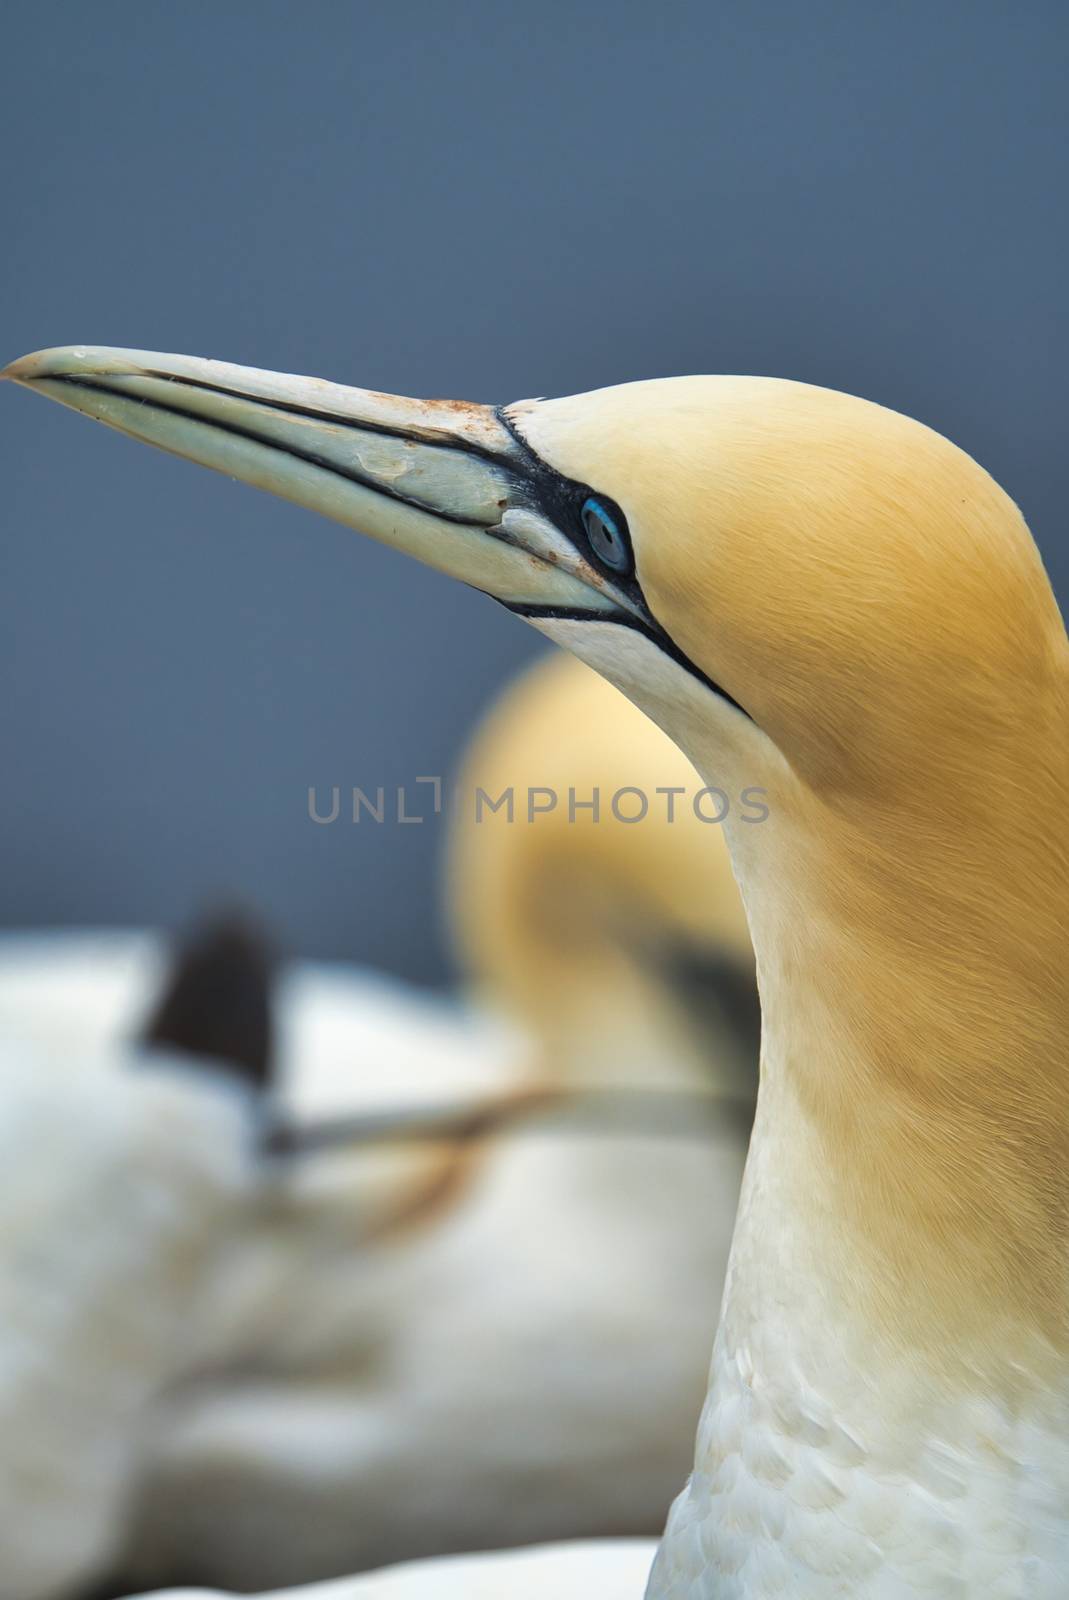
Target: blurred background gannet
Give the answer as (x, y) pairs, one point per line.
(822, 598)
(610, 932)
(611, 965)
(575, 1251)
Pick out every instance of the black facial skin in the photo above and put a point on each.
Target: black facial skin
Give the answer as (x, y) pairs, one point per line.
(562, 500)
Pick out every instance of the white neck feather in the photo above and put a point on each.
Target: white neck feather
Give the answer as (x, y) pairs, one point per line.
(828, 1462)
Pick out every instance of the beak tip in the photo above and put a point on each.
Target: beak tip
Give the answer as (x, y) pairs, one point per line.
(58, 362)
(18, 371)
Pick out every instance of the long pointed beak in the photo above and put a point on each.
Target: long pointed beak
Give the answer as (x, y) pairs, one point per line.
(448, 482)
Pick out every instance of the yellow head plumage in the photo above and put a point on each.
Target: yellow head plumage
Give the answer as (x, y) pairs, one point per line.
(867, 592)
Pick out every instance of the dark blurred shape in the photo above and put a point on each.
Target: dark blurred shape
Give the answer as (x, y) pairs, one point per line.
(217, 1002)
(720, 991)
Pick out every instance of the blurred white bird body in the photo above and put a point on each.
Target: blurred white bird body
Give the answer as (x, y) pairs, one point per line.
(119, 1188)
(459, 1392)
(823, 599)
(349, 1040)
(600, 1569)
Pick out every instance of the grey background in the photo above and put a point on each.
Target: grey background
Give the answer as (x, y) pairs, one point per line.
(485, 200)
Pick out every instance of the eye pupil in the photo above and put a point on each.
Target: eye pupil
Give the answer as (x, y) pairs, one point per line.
(606, 540)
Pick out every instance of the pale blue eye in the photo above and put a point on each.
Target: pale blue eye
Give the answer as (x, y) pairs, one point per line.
(607, 539)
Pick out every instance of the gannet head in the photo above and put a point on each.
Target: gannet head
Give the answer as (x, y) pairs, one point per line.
(858, 586)
(783, 563)
(808, 592)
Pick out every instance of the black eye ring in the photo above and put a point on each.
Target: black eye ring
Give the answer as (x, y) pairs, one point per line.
(607, 538)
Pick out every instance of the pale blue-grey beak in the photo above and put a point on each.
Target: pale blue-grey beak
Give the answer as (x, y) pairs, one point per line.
(449, 482)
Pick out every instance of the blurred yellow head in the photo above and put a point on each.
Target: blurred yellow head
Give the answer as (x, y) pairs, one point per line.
(580, 865)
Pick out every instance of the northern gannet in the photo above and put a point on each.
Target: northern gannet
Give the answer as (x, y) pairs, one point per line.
(820, 597)
(605, 1220)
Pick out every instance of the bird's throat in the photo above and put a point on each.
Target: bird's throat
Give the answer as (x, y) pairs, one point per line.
(859, 1436)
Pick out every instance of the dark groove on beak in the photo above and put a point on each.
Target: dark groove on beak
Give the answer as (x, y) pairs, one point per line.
(311, 457)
